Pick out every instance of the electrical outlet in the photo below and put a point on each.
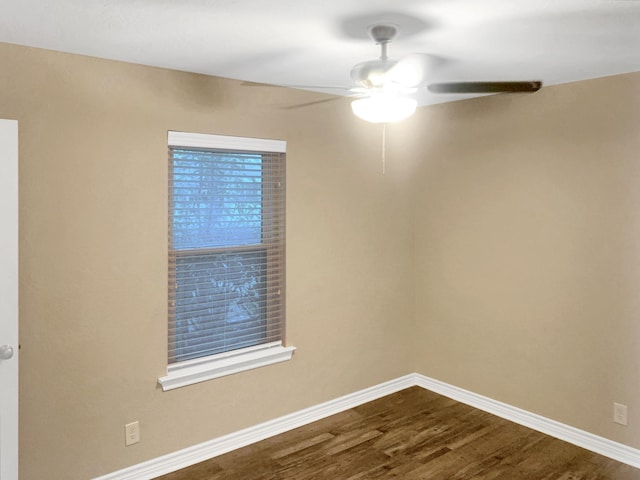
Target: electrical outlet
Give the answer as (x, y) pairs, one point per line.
(131, 433)
(620, 414)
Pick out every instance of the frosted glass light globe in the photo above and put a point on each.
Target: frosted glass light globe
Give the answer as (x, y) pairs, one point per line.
(384, 108)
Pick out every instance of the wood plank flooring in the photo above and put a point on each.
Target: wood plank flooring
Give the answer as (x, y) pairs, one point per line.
(411, 435)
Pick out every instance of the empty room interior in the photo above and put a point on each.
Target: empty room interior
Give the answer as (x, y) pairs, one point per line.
(488, 245)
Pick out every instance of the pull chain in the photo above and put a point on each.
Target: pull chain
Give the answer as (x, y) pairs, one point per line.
(384, 148)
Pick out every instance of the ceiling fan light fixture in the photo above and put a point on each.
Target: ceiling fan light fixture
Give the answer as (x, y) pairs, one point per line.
(383, 108)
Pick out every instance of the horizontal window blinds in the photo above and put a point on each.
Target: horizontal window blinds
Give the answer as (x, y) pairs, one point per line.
(226, 250)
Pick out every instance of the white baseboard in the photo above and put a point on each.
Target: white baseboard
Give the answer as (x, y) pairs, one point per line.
(595, 443)
(207, 450)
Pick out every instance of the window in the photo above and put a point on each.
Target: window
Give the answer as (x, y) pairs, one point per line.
(226, 256)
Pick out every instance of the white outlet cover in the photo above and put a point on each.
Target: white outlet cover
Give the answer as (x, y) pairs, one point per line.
(620, 414)
(131, 433)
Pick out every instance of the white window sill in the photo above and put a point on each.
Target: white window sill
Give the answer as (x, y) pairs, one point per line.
(202, 369)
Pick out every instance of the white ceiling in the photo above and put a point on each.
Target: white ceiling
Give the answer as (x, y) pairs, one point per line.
(316, 42)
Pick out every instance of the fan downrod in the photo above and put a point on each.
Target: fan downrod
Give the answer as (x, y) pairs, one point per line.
(383, 34)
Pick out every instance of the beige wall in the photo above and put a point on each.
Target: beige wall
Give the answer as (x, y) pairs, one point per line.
(93, 229)
(527, 251)
(519, 252)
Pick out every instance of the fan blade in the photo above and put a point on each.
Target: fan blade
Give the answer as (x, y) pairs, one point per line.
(486, 87)
(326, 89)
(301, 87)
(308, 104)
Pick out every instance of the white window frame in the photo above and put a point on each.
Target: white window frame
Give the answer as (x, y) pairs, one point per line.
(197, 370)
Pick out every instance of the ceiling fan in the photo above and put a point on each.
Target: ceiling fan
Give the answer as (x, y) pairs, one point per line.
(385, 88)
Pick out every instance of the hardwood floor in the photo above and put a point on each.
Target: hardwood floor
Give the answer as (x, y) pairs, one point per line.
(413, 434)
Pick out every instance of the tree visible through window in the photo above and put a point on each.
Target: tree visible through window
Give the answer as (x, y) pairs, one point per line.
(226, 257)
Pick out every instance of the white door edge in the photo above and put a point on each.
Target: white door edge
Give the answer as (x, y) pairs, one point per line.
(9, 299)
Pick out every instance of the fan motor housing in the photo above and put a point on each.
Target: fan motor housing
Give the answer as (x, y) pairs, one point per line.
(371, 73)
